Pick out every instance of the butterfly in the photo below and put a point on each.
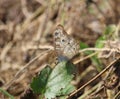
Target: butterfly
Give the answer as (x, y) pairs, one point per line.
(66, 47)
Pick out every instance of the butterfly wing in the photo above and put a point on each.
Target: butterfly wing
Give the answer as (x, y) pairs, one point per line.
(65, 45)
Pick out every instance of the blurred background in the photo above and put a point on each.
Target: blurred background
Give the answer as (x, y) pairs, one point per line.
(26, 28)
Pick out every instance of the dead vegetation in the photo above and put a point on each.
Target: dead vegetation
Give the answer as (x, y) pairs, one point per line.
(26, 43)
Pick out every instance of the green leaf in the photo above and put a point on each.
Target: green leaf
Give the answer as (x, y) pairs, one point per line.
(51, 83)
(108, 32)
(68, 89)
(38, 84)
(99, 42)
(60, 77)
(97, 63)
(83, 46)
(6, 93)
(110, 29)
(94, 59)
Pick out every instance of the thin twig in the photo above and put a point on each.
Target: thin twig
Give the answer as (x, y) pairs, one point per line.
(99, 49)
(34, 47)
(25, 9)
(89, 91)
(117, 95)
(103, 71)
(78, 61)
(27, 23)
(98, 90)
(22, 70)
(5, 50)
(6, 93)
(4, 53)
(42, 27)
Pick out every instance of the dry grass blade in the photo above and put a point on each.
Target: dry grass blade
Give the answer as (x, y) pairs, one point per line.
(21, 71)
(103, 71)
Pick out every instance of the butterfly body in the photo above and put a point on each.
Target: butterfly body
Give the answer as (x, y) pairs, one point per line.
(65, 46)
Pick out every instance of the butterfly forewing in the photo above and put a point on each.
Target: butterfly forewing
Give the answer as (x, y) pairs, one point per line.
(65, 45)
